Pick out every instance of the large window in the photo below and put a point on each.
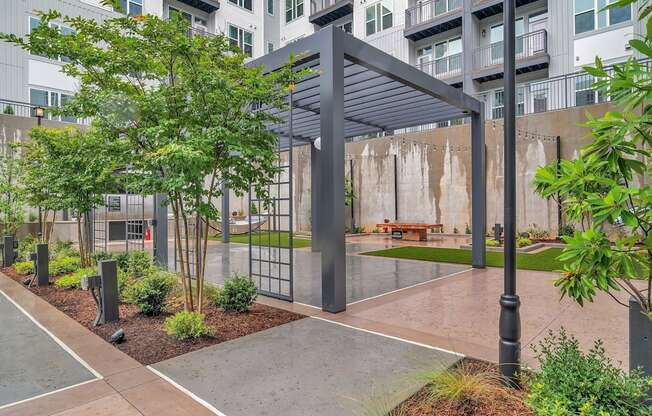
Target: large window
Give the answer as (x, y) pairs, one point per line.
(448, 56)
(379, 16)
(270, 7)
(132, 7)
(586, 93)
(45, 98)
(245, 4)
(242, 39)
(498, 103)
(589, 15)
(498, 34)
(35, 22)
(293, 10)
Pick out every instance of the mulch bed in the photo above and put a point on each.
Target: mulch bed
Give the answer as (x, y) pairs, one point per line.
(145, 336)
(503, 402)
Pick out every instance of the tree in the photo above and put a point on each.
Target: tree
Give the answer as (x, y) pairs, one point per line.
(70, 169)
(607, 189)
(12, 212)
(187, 108)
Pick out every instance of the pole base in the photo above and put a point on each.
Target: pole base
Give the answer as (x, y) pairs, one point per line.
(509, 346)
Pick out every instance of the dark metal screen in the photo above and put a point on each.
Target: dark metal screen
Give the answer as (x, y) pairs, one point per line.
(100, 227)
(135, 222)
(188, 245)
(271, 252)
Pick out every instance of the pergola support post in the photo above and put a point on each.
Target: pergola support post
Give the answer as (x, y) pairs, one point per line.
(161, 230)
(331, 166)
(314, 198)
(226, 230)
(478, 190)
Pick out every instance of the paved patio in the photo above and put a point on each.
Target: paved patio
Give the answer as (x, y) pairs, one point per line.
(306, 367)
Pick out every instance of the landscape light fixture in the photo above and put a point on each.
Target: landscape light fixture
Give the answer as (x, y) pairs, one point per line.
(39, 112)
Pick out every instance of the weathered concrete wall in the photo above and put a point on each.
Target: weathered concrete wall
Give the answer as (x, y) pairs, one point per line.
(433, 171)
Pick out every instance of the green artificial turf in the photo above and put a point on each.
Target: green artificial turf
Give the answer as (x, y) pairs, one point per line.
(278, 239)
(544, 260)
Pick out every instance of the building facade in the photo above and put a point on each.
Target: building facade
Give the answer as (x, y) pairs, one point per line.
(458, 41)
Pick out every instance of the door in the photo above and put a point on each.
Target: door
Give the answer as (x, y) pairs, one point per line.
(537, 22)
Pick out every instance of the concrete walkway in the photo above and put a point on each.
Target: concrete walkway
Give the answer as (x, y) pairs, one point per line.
(306, 367)
(32, 363)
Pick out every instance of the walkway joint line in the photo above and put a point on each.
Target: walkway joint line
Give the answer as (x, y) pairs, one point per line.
(187, 392)
(66, 348)
(419, 344)
(29, 399)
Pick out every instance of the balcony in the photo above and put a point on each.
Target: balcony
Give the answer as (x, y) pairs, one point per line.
(448, 69)
(324, 12)
(208, 6)
(431, 17)
(487, 8)
(531, 55)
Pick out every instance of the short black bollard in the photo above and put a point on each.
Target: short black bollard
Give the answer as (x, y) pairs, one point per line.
(8, 251)
(498, 231)
(109, 290)
(42, 268)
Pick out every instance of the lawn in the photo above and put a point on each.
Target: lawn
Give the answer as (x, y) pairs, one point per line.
(278, 239)
(544, 260)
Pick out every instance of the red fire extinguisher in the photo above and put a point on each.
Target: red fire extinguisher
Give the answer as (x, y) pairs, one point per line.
(148, 235)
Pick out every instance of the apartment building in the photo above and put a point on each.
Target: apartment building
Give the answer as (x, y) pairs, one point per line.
(458, 41)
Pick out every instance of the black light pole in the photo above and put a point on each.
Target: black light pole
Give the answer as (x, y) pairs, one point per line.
(510, 321)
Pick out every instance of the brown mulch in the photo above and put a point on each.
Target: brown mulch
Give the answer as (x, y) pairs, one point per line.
(145, 336)
(503, 401)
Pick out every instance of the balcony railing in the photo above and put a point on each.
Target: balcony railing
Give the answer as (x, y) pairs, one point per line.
(425, 11)
(527, 46)
(558, 93)
(318, 5)
(20, 109)
(443, 68)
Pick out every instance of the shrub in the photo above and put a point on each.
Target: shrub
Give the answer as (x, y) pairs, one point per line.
(464, 386)
(537, 233)
(187, 325)
(150, 292)
(63, 265)
(490, 242)
(212, 293)
(26, 246)
(523, 242)
(139, 264)
(24, 267)
(238, 294)
(62, 248)
(574, 383)
(9, 110)
(467, 229)
(100, 255)
(73, 281)
(566, 230)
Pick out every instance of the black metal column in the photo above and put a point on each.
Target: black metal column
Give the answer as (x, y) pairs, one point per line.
(478, 190)
(331, 195)
(314, 198)
(161, 230)
(510, 322)
(226, 230)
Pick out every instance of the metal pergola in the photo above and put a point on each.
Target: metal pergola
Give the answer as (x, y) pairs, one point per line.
(356, 90)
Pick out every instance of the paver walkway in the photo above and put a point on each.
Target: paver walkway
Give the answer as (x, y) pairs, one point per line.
(31, 362)
(306, 367)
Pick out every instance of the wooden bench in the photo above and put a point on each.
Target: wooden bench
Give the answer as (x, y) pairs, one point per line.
(408, 231)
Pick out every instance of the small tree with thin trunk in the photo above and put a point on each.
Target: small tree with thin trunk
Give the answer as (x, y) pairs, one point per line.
(12, 207)
(76, 168)
(607, 189)
(187, 109)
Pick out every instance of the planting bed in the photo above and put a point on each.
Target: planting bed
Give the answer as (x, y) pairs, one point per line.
(498, 401)
(145, 336)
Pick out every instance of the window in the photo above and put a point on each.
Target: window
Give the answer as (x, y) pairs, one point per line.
(585, 93)
(539, 93)
(242, 39)
(497, 35)
(114, 203)
(245, 4)
(379, 17)
(498, 104)
(589, 15)
(35, 22)
(293, 9)
(347, 27)
(270, 7)
(270, 47)
(132, 7)
(448, 56)
(44, 98)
